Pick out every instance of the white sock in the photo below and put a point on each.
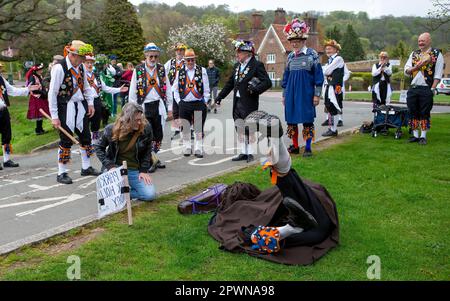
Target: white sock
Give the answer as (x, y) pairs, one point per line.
(333, 124)
(199, 145)
(288, 230)
(416, 133)
(340, 117)
(5, 155)
(424, 134)
(62, 168)
(85, 160)
(280, 156)
(249, 150)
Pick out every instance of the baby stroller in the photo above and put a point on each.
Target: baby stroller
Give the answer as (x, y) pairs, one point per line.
(386, 117)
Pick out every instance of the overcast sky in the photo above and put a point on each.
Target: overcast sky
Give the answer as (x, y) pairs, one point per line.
(374, 8)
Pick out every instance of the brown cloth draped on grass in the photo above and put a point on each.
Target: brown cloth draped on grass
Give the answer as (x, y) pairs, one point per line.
(244, 205)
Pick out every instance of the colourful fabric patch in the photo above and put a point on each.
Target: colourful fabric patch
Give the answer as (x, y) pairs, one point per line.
(425, 124)
(309, 132)
(64, 155)
(266, 240)
(291, 130)
(414, 124)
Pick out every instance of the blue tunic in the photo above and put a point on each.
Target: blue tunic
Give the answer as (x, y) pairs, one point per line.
(302, 79)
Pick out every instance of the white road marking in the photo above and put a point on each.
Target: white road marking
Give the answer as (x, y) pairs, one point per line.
(14, 182)
(40, 187)
(194, 162)
(169, 150)
(86, 185)
(24, 172)
(71, 198)
(32, 202)
(174, 160)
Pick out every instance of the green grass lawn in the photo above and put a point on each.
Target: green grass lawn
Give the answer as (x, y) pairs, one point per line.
(24, 138)
(392, 199)
(395, 96)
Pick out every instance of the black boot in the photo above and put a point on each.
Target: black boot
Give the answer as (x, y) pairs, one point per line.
(298, 216)
(10, 164)
(64, 179)
(90, 172)
(39, 128)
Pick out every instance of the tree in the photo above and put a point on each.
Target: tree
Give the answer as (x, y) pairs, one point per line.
(352, 49)
(401, 51)
(208, 41)
(122, 32)
(440, 15)
(334, 34)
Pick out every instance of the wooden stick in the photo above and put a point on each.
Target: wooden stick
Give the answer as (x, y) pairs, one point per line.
(127, 195)
(75, 141)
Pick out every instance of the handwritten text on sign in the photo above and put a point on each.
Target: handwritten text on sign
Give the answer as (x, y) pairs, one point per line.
(109, 193)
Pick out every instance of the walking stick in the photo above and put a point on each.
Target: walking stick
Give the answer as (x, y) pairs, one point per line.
(75, 141)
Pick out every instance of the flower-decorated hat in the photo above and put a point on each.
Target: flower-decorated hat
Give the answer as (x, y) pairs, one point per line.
(296, 29)
(79, 48)
(333, 43)
(180, 46)
(241, 45)
(190, 54)
(151, 47)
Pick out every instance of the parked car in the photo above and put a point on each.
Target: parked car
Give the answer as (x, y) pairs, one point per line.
(444, 86)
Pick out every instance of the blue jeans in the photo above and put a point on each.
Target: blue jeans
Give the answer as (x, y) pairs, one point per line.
(139, 190)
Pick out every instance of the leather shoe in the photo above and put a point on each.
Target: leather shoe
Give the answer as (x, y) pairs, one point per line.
(298, 216)
(199, 154)
(325, 123)
(250, 158)
(187, 152)
(90, 172)
(340, 123)
(241, 157)
(413, 140)
(330, 133)
(10, 164)
(294, 150)
(160, 165)
(307, 154)
(423, 141)
(64, 179)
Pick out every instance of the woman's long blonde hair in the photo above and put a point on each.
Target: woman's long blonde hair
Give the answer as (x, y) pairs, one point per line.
(126, 120)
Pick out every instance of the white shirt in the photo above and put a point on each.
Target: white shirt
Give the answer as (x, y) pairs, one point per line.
(105, 88)
(57, 78)
(152, 95)
(419, 79)
(190, 97)
(337, 63)
(241, 69)
(12, 91)
(347, 73)
(169, 86)
(376, 71)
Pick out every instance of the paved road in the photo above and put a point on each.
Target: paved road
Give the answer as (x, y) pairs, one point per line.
(33, 206)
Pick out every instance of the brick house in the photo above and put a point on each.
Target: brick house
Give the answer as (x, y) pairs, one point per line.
(272, 47)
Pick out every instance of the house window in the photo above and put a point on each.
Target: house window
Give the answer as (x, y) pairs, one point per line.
(271, 75)
(271, 58)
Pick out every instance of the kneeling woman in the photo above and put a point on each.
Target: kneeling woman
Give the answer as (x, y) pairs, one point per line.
(129, 139)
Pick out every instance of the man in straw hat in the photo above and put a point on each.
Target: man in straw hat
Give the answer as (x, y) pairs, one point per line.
(148, 88)
(71, 100)
(172, 67)
(334, 72)
(248, 81)
(98, 84)
(7, 90)
(191, 92)
(425, 66)
(302, 86)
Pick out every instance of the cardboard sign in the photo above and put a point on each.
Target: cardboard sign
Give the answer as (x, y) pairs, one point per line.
(110, 198)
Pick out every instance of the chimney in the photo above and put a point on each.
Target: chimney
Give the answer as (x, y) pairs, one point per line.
(257, 22)
(280, 16)
(242, 26)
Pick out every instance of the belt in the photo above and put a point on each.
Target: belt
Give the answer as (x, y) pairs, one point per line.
(419, 87)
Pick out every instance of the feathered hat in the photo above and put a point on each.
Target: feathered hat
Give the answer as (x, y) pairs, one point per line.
(296, 29)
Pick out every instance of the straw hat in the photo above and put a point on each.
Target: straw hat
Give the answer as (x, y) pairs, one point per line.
(189, 54)
(333, 43)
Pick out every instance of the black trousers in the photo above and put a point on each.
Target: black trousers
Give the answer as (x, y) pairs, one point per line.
(84, 136)
(175, 110)
(292, 186)
(330, 106)
(420, 102)
(96, 120)
(154, 118)
(187, 114)
(5, 126)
